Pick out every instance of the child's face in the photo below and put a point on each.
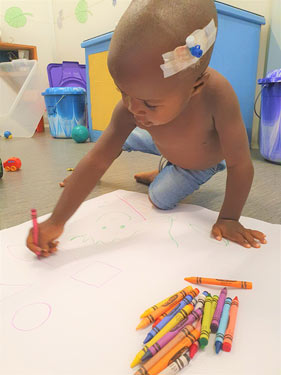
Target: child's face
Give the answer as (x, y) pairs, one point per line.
(152, 99)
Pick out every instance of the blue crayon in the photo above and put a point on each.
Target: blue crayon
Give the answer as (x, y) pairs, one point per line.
(187, 299)
(223, 324)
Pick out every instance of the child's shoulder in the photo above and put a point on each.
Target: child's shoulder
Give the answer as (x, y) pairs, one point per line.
(219, 89)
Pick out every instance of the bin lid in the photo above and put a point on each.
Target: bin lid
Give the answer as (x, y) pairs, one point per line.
(271, 77)
(64, 91)
(67, 74)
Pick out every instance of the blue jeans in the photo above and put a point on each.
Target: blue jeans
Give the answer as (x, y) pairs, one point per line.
(173, 183)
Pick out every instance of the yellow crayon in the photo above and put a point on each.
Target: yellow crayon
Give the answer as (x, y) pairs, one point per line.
(172, 300)
(162, 303)
(206, 322)
(187, 310)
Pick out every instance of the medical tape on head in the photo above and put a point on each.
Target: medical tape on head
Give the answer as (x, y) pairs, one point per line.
(197, 44)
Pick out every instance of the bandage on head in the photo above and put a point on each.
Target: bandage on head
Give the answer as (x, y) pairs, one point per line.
(197, 44)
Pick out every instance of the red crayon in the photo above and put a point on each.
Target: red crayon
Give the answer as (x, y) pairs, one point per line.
(35, 228)
(193, 349)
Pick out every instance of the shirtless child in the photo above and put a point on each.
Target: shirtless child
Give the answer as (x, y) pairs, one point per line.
(173, 105)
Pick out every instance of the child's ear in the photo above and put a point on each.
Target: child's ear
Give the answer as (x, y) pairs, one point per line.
(200, 82)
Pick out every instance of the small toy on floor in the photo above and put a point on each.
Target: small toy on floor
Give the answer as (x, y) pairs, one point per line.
(8, 135)
(80, 134)
(12, 164)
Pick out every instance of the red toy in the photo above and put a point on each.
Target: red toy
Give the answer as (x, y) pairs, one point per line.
(12, 164)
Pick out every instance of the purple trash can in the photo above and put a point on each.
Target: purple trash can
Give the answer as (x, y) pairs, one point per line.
(270, 125)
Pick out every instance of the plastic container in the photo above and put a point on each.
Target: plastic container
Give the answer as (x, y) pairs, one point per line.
(67, 74)
(21, 103)
(270, 125)
(66, 108)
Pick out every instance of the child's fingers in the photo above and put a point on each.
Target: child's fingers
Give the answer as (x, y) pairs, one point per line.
(216, 232)
(251, 240)
(241, 240)
(258, 235)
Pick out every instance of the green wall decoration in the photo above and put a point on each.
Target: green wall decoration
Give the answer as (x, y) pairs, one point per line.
(82, 11)
(15, 17)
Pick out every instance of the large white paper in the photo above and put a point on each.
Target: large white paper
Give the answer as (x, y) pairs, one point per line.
(76, 312)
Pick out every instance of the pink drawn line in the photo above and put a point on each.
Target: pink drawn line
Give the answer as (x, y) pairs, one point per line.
(132, 207)
(93, 284)
(39, 325)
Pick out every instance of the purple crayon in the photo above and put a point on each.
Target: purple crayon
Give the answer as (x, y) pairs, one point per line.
(192, 317)
(217, 314)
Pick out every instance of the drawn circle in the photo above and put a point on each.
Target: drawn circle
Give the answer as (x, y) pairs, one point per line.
(32, 316)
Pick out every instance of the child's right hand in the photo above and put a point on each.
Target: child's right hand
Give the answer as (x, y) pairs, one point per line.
(48, 232)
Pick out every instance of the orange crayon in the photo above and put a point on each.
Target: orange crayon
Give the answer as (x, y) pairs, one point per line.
(222, 282)
(175, 352)
(162, 303)
(176, 298)
(228, 336)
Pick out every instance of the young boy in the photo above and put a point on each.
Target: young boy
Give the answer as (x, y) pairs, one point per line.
(174, 105)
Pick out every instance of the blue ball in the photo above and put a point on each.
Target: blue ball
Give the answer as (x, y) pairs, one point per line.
(7, 134)
(80, 134)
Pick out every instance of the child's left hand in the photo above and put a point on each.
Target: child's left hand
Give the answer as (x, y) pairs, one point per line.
(234, 231)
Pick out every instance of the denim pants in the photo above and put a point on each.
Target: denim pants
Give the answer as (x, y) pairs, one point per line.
(173, 183)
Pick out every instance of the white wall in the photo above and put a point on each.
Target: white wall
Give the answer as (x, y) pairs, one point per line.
(274, 47)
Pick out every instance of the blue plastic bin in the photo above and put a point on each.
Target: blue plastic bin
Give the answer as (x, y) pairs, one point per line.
(66, 108)
(270, 125)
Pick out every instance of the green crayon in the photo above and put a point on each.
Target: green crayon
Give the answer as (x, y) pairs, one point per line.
(206, 322)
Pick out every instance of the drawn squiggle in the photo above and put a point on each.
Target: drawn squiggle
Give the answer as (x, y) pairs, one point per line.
(48, 314)
(170, 234)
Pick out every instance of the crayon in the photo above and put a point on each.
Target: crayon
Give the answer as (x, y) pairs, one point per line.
(158, 345)
(194, 349)
(161, 303)
(222, 325)
(155, 314)
(206, 322)
(144, 350)
(232, 283)
(218, 311)
(174, 352)
(187, 299)
(163, 315)
(177, 365)
(228, 336)
(214, 305)
(185, 332)
(35, 234)
(201, 301)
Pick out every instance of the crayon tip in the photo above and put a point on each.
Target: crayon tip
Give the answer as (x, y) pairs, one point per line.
(226, 347)
(147, 356)
(203, 342)
(236, 299)
(148, 338)
(218, 346)
(214, 328)
(205, 293)
(142, 324)
(135, 362)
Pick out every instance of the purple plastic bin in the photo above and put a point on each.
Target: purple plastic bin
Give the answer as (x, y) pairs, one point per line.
(67, 74)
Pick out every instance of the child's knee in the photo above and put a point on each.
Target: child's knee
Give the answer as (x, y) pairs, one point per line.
(160, 200)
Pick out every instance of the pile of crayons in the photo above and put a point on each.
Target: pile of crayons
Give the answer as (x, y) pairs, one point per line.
(182, 324)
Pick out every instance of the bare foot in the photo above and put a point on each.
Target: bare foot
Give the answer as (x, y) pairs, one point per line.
(146, 177)
(64, 182)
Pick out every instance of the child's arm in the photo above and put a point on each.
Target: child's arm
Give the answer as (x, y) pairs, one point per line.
(240, 172)
(84, 178)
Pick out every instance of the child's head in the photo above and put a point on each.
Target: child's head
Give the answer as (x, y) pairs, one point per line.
(147, 30)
